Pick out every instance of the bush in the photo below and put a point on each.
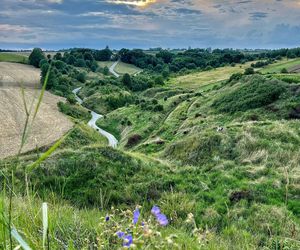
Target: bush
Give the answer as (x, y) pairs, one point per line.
(74, 111)
(249, 71)
(81, 77)
(71, 99)
(256, 93)
(284, 71)
(158, 108)
(159, 80)
(105, 70)
(133, 140)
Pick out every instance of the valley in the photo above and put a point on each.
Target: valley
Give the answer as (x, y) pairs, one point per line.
(217, 149)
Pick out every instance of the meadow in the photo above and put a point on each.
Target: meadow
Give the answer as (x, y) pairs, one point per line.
(206, 161)
(279, 65)
(205, 78)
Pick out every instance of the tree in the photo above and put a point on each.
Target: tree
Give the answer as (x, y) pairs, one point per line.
(103, 55)
(165, 55)
(94, 66)
(126, 80)
(88, 56)
(58, 56)
(36, 56)
(81, 77)
(105, 70)
(249, 71)
(159, 80)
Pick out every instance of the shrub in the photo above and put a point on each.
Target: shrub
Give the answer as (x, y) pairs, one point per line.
(249, 71)
(71, 99)
(133, 140)
(235, 77)
(81, 77)
(74, 111)
(158, 108)
(284, 71)
(256, 93)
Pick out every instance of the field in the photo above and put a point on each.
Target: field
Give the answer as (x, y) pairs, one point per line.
(105, 64)
(278, 66)
(206, 78)
(123, 68)
(12, 57)
(49, 125)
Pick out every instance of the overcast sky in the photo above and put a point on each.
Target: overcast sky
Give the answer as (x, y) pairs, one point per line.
(56, 24)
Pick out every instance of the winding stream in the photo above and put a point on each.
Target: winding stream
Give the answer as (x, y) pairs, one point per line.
(113, 142)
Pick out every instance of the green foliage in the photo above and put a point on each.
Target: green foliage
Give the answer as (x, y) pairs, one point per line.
(105, 70)
(74, 111)
(71, 99)
(249, 71)
(36, 56)
(255, 93)
(81, 77)
(126, 80)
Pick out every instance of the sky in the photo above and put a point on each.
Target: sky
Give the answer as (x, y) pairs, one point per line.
(58, 24)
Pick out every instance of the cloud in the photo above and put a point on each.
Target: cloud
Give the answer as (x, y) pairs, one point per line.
(149, 23)
(140, 3)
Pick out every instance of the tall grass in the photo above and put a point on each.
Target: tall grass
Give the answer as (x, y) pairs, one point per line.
(7, 226)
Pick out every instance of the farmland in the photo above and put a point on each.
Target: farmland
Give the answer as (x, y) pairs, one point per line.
(49, 125)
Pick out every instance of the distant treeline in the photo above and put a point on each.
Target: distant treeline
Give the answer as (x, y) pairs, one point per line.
(199, 58)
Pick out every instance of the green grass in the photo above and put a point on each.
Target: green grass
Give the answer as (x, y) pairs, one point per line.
(278, 66)
(103, 64)
(10, 57)
(206, 78)
(241, 183)
(123, 68)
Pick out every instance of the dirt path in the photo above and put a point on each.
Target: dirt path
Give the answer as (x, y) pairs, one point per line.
(112, 69)
(113, 142)
(49, 125)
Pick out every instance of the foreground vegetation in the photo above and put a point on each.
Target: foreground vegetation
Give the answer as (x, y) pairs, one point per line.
(221, 162)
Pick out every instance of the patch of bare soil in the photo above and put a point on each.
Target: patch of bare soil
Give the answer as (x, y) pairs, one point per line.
(49, 125)
(295, 69)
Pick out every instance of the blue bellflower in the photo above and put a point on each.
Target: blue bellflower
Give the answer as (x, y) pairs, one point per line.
(161, 218)
(136, 215)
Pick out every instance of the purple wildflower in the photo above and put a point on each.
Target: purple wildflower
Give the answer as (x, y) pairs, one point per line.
(155, 210)
(127, 240)
(120, 234)
(136, 215)
(107, 218)
(162, 219)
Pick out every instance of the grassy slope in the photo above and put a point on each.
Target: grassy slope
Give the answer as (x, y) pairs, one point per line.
(278, 66)
(254, 156)
(10, 57)
(233, 181)
(123, 68)
(197, 79)
(103, 64)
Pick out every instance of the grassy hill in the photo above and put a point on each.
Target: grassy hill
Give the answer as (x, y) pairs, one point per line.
(207, 78)
(281, 64)
(219, 154)
(123, 68)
